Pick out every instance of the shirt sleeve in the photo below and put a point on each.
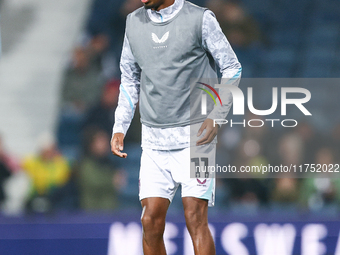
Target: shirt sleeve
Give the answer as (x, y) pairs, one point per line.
(216, 43)
(129, 90)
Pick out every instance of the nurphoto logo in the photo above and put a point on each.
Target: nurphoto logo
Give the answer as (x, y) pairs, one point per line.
(238, 100)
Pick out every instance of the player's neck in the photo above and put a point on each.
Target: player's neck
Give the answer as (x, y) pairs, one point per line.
(165, 4)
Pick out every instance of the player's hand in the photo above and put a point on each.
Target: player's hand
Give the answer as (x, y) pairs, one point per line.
(210, 133)
(117, 145)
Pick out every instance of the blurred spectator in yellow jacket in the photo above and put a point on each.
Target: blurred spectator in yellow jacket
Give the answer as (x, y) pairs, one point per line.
(49, 172)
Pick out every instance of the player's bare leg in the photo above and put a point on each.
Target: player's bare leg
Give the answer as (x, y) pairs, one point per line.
(153, 222)
(196, 217)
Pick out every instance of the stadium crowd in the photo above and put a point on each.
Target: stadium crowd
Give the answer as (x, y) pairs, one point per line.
(74, 169)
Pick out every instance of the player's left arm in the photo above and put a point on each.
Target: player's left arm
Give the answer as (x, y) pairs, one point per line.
(216, 43)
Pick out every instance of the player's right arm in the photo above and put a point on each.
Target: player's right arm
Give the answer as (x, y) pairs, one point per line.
(128, 98)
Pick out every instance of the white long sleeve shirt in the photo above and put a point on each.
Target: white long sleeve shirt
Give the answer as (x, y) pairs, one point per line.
(214, 42)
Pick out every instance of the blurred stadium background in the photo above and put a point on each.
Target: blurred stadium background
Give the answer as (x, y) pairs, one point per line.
(62, 192)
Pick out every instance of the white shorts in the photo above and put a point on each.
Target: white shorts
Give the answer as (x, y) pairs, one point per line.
(162, 172)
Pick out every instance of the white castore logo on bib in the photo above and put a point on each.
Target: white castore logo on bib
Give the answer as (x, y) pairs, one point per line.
(162, 40)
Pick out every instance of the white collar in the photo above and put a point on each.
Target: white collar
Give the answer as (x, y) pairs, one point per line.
(166, 13)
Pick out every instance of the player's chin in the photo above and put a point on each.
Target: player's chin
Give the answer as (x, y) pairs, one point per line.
(148, 5)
